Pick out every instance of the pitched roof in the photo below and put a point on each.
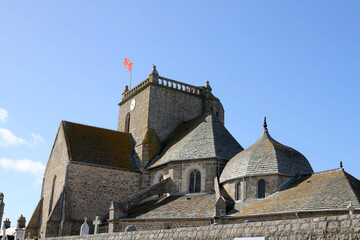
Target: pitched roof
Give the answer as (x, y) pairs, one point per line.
(201, 137)
(183, 206)
(266, 156)
(329, 190)
(92, 145)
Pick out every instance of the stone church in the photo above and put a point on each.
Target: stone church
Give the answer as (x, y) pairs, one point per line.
(172, 163)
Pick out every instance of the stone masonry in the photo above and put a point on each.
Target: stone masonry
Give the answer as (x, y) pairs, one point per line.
(54, 179)
(180, 172)
(334, 227)
(248, 186)
(97, 186)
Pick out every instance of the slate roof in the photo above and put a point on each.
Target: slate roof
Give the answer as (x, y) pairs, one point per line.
(92, 145)
(329, 190)
(181, 206)
(201, 137)
(266, 156)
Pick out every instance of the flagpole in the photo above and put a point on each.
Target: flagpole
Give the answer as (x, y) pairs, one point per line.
(130, 78)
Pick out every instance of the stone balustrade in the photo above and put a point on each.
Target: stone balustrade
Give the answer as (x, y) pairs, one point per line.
(163, 82)
(136, 88)
(179, 85)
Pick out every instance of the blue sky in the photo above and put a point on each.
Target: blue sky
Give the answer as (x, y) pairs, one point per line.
(297, 62)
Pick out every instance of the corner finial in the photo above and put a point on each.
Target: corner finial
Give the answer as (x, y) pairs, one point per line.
(126, 89)
(265, 124)
(207, 85)
(154, 71)
(341, 165)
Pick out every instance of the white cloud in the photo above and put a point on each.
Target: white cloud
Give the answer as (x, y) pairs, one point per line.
(7, 139)
(25, 166)
(3, 115)
(37, 139)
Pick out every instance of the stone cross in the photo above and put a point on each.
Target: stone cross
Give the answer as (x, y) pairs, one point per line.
(351, 208)
(84, 230)
(96, 223)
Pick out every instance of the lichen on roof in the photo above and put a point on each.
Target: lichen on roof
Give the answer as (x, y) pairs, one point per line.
(266, 156)
(329, 190)
(100, 146)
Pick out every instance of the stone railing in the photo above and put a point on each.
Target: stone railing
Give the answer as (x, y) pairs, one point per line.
(163, 82)
(179, 85)
(120, 208)
(136, 88)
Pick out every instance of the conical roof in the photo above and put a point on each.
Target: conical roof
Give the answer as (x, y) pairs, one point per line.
(266, 156)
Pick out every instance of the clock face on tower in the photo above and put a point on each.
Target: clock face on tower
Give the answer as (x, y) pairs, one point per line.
(132, 104)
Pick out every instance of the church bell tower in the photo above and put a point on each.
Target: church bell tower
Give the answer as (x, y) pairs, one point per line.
(156, 107)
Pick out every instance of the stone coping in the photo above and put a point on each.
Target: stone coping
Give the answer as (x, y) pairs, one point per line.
(332, 227)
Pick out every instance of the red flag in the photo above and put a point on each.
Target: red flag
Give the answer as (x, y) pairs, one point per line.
(128, 64)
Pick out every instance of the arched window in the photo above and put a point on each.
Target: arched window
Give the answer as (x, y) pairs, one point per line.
(238, 191)
(195, 182)
(127, 123)
(261, 188)
(52, 194)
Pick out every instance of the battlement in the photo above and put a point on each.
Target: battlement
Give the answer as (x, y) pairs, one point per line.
(162, 81)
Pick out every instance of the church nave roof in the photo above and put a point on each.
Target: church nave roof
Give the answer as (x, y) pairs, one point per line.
(99, 146)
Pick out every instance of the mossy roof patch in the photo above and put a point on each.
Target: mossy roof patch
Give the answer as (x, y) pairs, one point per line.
(329, 190)
(100, 146)
(199, 138)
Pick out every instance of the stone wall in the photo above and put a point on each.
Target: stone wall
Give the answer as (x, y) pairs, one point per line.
(334, 227)
(147, 225)
(54, 179)
(170, 107)
(138, 116)
(97, 187)
(180, 173)
(272, 183)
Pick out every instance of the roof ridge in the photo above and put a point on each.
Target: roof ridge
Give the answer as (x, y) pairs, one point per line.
(326, 171)
(213, 132)
(86, 125)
